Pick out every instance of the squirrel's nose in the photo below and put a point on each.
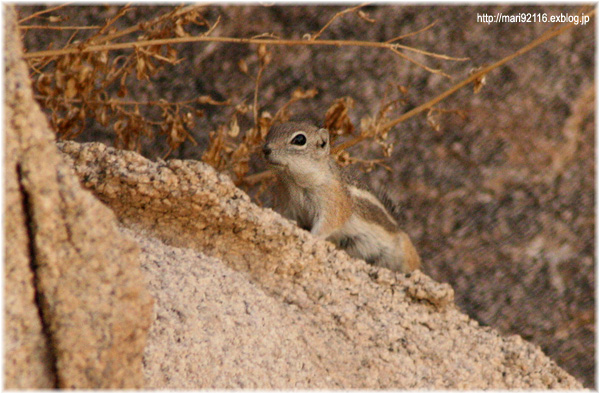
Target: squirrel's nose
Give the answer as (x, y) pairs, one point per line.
(266, 150)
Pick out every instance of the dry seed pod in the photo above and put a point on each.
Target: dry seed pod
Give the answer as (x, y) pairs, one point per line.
(480, 81)
(262, 50)
(243, 66)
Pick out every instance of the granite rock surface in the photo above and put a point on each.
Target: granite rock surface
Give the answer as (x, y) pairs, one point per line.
(245, 299)
(76, 310)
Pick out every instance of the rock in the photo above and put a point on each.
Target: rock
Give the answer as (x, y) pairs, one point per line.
(245, 299)
(423, 289)
(77, 312)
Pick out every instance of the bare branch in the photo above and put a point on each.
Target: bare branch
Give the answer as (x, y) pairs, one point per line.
(431, 70)
(112, 20)
(262, 39)
(43, 12)
(41, 27)
(213, 27)
(256, 178)
(545, 37)
(257, 84)
(232, 40)
(426, 53)
(429, 26)
(141, 25)
(298, 95)
(348, 144)
(426, 106)
(346, 11)
(124, 102)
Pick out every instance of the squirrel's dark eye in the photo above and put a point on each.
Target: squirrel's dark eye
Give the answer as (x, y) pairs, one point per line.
(299, 139)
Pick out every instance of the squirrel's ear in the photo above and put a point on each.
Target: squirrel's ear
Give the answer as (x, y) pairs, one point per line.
(323, 141)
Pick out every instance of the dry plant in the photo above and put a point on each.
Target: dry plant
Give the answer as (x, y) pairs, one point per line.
(72, 83)
(74, 86)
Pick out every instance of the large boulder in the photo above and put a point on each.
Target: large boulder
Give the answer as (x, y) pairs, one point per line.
(245, 299)
(76, 309)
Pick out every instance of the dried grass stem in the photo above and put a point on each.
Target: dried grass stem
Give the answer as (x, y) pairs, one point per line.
(231, 40)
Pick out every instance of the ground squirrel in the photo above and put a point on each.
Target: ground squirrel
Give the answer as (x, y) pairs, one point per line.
(313, 190)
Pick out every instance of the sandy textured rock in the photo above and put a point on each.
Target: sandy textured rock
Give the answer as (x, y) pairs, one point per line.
(77, 312)
(215, 328)
(28, 362)
(247, 299)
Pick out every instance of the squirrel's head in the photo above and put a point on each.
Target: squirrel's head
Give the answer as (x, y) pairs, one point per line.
(296, 147)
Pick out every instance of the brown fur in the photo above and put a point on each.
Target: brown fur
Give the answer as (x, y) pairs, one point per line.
(312, 190)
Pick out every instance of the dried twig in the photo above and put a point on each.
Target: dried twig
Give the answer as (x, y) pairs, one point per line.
(410, 59)
(346, 11)
(42, 27)
(545, 37)
(232, 40)
(76, 89)
(298, 95)
(35, 15)
(112, 20)
(256, 178)
(199, 100)
(144, 25)
(426, 53)
(213, 27)
(426, 106)
(262, 53)
(429, 26)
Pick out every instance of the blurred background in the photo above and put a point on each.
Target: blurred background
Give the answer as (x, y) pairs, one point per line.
(496, 188)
